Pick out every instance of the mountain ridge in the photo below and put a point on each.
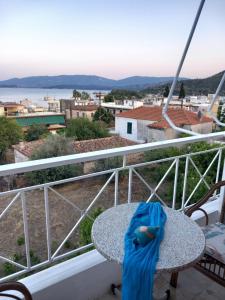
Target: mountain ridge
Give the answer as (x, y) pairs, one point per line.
(202, 86)
(85, 82)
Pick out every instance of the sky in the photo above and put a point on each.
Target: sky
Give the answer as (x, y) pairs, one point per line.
(110, 38)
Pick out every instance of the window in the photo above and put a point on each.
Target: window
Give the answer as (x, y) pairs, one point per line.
(129, 127)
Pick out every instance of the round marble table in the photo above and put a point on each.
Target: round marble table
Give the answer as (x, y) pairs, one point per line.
(182, 246)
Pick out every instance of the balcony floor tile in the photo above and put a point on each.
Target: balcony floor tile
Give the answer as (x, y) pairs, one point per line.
(192, 285)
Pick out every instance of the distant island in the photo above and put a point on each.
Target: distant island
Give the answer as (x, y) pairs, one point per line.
(85, 82)
(143, 84)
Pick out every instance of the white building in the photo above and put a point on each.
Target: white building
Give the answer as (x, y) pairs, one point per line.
(147, 124)
(121, 105)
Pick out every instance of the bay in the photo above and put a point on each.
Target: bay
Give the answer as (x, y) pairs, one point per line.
(36, 95)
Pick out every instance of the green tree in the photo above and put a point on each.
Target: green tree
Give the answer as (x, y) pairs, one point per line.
(102, 114)
(123, 94)
(76, 94)
(55, 145)
(109, 98)
(182, 91)
(36, 132)
(84, 129)
(10, 133)
(85, 95)
(86, 225)
(166, 91)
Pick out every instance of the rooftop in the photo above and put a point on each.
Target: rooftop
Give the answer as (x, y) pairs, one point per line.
(88, 107)
(26, 148)
(179, 116)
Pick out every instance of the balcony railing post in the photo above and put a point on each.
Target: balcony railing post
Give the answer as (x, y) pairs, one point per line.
(175, 183)
(47, 222)
(116, 188)
(222, 189)
(130, 185)
(26, 231)
(185, 182)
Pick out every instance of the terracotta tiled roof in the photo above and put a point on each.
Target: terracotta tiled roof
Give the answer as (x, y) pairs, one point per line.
(180, 117)
(90, 107)
(26, 148)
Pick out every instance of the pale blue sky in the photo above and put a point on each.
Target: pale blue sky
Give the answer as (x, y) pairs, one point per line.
(112, 38)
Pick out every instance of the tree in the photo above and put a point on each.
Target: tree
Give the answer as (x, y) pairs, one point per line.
(123, 94)
(102, 114)
(10, 133)
(182, 91)
(53, 146)
(109, 98)
(85, 95)
(166, 91)
(76, 94)
(84, 129)
(36, 132)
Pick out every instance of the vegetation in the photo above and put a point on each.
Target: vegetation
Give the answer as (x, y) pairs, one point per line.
(55, 145)
(83, 95)
(102, 114)
(86, 225)
(182, 91)
(76, 94)
(166, 91)
(35, 132)
(10, 133)
(19, 257)
(221, 113)
(203, 86)
(157, 171)
(122, 94)
(84, 129)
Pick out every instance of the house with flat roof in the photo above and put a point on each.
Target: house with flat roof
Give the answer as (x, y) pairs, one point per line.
(11, 108)
(46, 118)
(77, 109)
(147, 124)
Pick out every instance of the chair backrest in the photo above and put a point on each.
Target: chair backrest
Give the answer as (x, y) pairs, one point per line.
(14, 286)
(205, 198)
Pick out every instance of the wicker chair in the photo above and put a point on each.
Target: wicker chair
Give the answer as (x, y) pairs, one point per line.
(212, 264)
(14, 286)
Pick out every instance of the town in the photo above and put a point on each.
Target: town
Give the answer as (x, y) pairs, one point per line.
(125, 119)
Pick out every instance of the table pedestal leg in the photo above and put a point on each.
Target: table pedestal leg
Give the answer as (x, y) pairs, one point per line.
(161, 289)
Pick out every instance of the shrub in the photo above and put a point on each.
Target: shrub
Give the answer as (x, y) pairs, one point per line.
(54, 146)
(86, 225)
(21, 241)
(36, 132)
(84, 129)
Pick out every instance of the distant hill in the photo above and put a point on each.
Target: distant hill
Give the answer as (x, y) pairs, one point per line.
(87, 82)
(193, 86)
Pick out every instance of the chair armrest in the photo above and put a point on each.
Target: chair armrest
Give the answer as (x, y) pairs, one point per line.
(15, 286)
(204, 199)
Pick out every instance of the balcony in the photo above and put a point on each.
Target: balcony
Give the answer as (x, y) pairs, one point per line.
(41, 236)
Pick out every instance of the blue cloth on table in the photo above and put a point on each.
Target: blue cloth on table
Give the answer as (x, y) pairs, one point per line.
(140, 261)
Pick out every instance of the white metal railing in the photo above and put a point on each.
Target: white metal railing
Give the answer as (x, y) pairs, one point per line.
(134, 169)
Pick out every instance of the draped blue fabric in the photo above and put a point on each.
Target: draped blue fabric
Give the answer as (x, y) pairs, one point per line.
(140, 262)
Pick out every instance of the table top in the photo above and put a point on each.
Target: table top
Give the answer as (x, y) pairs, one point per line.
(182, 246)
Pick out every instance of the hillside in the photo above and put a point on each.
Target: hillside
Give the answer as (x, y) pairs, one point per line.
(84, 82)
(193, 86)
